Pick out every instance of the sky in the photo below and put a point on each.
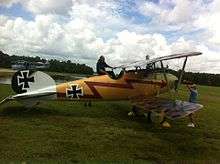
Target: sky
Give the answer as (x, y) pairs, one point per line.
(122, 30)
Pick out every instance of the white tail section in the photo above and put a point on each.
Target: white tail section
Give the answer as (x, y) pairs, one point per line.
(33, 86)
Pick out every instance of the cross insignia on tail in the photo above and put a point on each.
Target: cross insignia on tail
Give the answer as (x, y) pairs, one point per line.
(25, 79)
(74, 91)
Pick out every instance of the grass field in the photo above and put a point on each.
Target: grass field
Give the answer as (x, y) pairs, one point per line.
(70, 131)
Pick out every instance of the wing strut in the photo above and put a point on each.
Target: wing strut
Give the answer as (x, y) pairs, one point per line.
(181, 75)
(164, 73)
(165, 77)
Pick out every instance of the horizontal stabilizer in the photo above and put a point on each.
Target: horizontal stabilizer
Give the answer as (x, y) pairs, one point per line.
(33, 86)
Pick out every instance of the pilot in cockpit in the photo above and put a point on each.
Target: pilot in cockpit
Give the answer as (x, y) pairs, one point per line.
(101, 66)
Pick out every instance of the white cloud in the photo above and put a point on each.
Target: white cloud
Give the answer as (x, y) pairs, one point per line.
(8, 3)
(175, 12)
(48, 6)
(130, 46)
(77, 38)
(209, 21)
(181, 45)
(185, 17)
(41, 6)
(150, 9)
(174, 15)
(209, 61)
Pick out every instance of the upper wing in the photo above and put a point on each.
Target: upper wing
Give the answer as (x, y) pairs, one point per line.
(155, 60)
(174, 56)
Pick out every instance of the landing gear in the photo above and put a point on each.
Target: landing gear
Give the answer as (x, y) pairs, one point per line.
(163, 121)
(149, 120)
(136, 112)
(88, 103)
(193, 122)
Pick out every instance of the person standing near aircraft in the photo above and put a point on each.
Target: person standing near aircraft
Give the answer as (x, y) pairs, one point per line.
(101, 66)
(193, 99)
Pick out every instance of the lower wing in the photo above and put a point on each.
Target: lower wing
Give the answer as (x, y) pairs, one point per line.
(173, 109)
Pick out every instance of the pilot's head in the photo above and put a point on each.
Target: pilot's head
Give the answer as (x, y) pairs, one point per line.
(102, 58)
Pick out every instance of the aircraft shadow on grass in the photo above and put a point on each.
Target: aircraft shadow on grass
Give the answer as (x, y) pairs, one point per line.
(22, 111)
(47, 110)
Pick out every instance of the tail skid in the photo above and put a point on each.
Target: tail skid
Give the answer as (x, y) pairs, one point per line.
(5, 100)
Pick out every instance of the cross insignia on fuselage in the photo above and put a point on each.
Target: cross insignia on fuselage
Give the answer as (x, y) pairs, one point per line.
(74, 92)
(25, 79)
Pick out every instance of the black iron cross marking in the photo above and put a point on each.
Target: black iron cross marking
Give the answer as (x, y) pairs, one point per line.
(24, 79)
(74, 92)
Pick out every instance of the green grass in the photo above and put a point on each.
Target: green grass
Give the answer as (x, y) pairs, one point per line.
(70, 131)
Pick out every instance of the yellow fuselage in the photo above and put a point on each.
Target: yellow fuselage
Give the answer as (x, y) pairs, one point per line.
(129, 86)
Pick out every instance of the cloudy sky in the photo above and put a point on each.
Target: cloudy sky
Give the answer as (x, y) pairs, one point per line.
(122, 30)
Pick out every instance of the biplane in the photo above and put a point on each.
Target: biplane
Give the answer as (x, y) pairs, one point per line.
(139, 85)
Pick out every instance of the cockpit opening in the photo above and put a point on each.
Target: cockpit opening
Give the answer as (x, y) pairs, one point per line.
(115, 73)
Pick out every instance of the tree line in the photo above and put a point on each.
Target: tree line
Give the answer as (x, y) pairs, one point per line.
(69, 67)
(54, 65)
(199, 78)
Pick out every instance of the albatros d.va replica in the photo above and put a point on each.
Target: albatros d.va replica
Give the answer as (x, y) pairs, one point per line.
(141, 85)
